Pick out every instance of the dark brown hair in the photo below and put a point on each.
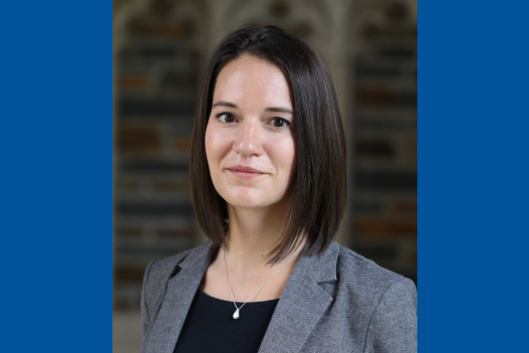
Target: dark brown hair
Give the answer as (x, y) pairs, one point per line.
(319, 185)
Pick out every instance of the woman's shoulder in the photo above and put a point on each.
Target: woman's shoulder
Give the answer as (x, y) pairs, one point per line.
(365, 277)
(164, 267)
(384, 302)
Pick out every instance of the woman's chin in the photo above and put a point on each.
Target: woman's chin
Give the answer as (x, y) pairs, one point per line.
(255, 198)
(247, 204)
(250, 202)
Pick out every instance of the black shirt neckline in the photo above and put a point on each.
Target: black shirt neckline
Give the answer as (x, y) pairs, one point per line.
(203, 295)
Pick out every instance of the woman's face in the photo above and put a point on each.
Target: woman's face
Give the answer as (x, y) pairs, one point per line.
(250, 144)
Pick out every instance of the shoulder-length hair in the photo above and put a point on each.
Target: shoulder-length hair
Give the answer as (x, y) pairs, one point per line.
(319, 186)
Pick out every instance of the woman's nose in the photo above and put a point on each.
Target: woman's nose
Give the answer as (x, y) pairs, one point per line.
(248, 141)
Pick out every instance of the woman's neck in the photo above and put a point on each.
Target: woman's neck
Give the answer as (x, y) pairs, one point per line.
(252, 235)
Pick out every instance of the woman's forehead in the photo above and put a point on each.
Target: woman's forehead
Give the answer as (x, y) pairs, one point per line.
(250, 80)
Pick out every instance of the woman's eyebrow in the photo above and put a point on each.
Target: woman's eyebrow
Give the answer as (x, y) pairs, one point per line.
(269, 109)
(280, 110)
(224, 104)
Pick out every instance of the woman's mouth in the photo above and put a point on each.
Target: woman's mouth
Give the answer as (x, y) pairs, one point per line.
(245, 172)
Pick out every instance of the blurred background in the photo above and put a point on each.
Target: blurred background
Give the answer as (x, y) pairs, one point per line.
(159, 50)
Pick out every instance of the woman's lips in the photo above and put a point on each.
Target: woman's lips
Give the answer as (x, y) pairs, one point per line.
(245, 172)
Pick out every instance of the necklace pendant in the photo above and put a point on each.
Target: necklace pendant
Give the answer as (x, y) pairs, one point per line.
(236, 314)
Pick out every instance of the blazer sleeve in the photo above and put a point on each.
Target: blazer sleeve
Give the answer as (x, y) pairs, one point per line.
(393, 326)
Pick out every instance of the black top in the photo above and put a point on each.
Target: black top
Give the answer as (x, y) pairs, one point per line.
(210, 327)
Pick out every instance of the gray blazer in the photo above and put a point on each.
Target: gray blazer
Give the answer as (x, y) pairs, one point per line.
(336, 302)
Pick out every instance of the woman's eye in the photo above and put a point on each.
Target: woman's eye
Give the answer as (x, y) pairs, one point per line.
(280, 122)
(226, 117)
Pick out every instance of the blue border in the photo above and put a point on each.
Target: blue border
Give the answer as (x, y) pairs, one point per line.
(473, 175)
(56, 148)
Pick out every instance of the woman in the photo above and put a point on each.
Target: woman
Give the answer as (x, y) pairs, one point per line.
(268, 179)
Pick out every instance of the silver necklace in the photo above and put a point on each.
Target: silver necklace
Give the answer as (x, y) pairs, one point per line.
(236, 314)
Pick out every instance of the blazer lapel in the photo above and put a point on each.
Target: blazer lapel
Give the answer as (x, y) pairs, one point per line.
(181, 289)
(302, 303)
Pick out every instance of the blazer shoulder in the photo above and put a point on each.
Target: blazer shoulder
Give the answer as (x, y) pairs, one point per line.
(360, 271)
(369, 283)
(163, 268)
(385, 303)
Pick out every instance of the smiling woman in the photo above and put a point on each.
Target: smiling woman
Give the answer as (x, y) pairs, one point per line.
(268, 180)
(250, 144)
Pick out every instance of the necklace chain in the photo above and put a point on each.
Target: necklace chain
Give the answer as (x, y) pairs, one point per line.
(237, 309)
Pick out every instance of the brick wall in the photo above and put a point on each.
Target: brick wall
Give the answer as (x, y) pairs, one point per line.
(384, 194)
(156, 84)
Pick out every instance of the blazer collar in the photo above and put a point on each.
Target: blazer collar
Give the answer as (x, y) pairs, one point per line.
(302, 303)
(300, 307)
